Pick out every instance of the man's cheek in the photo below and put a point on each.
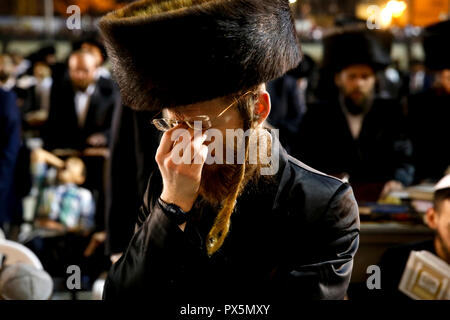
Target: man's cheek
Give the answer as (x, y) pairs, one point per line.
(444, 232)
(215, 144)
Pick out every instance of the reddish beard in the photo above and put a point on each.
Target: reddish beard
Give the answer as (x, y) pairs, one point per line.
(221, 180)
(218, 181)
(222, 185)
(81, 85)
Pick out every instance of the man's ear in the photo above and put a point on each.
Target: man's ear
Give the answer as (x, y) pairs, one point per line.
(431, 217)
(262, 106)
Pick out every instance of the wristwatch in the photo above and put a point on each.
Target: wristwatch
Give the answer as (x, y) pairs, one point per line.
(173, 212)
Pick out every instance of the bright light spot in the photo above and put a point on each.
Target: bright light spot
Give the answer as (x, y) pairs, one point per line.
(385, 17)
(393, 9)
(292, 1)
(396, 8)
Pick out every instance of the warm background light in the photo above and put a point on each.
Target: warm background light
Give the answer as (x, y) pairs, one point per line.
(396, 8)
(390, 13)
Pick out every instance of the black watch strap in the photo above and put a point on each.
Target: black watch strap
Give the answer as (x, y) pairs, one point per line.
(173, 212)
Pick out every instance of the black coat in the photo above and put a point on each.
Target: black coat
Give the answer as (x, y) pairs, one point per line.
(295, 235)
(382, 152)
(62, 129)
(30, 101)
(429, 116)
(133, 145)
(287, 108)
(392, 266)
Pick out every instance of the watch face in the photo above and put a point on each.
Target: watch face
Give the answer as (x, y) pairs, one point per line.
(174, 212)
(175, 209)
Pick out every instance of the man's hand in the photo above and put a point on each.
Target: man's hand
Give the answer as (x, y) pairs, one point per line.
(115, 257)
(40, 155)
(96, 240)
(97, 140)
(391, 186)
(50, 224)
(181, 179)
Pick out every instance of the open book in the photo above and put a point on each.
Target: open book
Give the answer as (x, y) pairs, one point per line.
(426, 277)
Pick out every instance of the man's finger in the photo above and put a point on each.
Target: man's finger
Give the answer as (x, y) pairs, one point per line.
(167, 139)
(196, 150)
(200, 157)
(191, 146)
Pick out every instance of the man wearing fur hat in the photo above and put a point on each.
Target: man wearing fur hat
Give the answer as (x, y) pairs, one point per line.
(368, 133)
(429, 111)
(223, 229)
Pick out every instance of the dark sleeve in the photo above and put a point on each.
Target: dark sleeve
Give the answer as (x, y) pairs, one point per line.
(295, 110)
(55, 129)
(392, 265)
(402, 150)
(332, 245)
(9, 142)
(155, 260)
(405, 169)
(287, 110)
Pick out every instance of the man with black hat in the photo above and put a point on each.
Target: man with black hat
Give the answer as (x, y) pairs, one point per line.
(429, 111)
(212, 229)
(354, 133)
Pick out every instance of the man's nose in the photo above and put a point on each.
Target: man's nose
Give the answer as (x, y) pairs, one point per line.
(361, 82)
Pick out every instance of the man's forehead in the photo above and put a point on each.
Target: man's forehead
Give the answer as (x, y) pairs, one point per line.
(82, 59)
(358, 68)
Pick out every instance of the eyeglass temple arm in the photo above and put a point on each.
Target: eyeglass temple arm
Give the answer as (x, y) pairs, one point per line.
(225, 110)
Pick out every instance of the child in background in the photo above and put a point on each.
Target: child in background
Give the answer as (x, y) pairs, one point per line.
(65, 213)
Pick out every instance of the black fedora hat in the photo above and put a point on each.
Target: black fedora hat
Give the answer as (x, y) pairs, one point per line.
(347, 47)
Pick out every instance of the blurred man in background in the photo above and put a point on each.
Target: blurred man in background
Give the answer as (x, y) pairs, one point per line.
(81, 107)
(47, 54)
(429, 111)
(354, 134)
(7, 81)
(39, 98)
(34, 97)
(418, 78)
(94, 46)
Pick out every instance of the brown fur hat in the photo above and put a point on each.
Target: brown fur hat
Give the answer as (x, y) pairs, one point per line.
(168, 53)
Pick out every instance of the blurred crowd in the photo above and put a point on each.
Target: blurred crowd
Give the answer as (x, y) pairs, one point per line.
(75, 162)
(56, 126)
